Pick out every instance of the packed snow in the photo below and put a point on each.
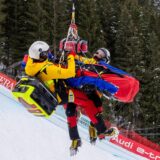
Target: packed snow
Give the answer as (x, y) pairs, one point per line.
(26, 137)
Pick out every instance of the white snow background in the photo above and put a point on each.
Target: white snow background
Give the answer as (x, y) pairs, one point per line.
(24, 136)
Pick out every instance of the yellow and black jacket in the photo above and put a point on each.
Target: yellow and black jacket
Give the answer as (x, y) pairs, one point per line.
(50, 73)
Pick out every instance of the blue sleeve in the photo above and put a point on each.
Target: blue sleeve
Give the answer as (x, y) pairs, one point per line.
(23, 64)
(113, 69)
(100, 84)
(51, 57)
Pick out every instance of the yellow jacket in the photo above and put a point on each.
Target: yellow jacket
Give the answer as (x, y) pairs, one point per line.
(49, 71)
(85, 60)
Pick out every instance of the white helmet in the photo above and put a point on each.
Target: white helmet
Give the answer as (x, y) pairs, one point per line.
(106, 53)
(36, 48)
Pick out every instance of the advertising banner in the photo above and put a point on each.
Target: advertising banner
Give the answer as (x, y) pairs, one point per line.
(136, 147)
(7, 81)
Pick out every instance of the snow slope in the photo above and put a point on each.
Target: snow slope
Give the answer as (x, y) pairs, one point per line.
(26, 137)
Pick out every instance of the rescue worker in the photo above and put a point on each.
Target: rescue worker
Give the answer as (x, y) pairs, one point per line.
(53, 76)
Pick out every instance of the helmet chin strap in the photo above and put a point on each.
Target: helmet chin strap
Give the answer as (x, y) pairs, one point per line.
(43, 59)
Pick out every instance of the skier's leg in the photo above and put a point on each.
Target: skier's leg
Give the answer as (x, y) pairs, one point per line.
(93, 113)
(90, 109)
(98, 104)
(81, 99)
(71, 114)
(92, 133)
(96, 100)
(102, 131)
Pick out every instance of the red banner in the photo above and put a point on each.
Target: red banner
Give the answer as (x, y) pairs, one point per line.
(7, 81)
(136, 148)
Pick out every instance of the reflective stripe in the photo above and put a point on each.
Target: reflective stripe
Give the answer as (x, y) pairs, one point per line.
(44, 67)
(49, 83)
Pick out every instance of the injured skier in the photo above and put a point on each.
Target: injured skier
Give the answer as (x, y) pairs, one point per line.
(52, 74)
(89, 86)
(88, 78)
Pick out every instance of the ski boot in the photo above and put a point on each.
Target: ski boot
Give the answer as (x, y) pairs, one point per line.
(102, 131)
(74, 146)
(112, 132)
(92, 134)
